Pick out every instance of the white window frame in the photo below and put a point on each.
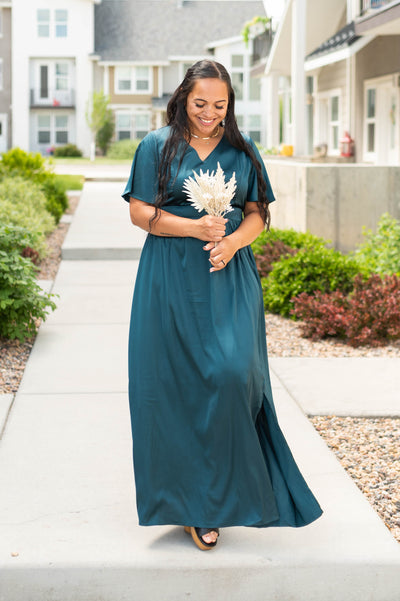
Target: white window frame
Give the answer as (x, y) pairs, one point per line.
(53, 129)
(133, 78)
(60, 22)
(43, 129)
(323, 98)
(368, 154)
(43, 23)
(133, 129)
(58, 128)
(334, 123)
(254, 129)
(239, 70)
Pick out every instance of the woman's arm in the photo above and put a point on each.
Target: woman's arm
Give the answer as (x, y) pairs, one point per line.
(206, 228)
(251, 227)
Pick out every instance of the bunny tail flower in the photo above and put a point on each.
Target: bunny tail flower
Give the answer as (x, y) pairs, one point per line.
(209, 192)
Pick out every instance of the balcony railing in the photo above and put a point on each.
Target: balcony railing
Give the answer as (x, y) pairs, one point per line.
(367, 5)
(47, 97)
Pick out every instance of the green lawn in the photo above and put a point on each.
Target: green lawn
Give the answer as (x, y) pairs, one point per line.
(86, 161)
(71, 182)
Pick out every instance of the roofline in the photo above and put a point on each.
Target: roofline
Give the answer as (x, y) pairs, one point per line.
(387, 13)
(127, 63)
(282, 22)
(224, 42)
(186, 57)
(338, 55)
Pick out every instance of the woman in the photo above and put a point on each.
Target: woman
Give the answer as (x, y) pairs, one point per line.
(208, 450)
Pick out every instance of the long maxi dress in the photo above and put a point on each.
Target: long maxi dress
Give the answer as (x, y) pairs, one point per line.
(207, 447)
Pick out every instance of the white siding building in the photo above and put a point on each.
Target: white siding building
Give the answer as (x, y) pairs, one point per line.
(52, 72)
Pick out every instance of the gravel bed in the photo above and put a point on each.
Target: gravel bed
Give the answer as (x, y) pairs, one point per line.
(15, 354)
(368, 448)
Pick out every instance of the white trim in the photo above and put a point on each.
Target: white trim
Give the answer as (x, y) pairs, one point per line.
(333, 57)
(319, 98)
(106, 80)
(160, 82)
(134, 90)
(1, 74)
(1, 21)
(6, 4)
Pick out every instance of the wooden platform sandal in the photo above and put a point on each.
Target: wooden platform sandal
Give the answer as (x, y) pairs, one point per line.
(197, 535)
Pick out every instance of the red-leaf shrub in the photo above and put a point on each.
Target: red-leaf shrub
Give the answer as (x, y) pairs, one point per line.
(370, 315)
(271, 252)
(32, 254)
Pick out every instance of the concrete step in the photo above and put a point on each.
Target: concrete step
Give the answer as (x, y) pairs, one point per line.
(68, 526)
(101, 228)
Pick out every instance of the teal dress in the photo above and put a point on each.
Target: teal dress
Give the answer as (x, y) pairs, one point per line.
(207, 447)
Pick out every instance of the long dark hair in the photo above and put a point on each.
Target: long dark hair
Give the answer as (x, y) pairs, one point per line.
(179, 137)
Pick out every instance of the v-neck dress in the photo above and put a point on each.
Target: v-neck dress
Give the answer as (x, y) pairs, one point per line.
(207, 447)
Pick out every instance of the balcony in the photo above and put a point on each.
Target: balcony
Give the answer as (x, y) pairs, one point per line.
(50, 98)
(369, 5)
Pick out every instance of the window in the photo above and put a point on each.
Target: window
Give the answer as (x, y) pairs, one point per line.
(237, 60)
(61, 76)
(142, 125)
(371, 119)
(61, 23)
(255, 88)
(142, 79)
(239, 121)
(43, 23)
(128, 125)
(255, 127)
(123, 126)
(334, 123)
(237, 84)
(61, 129)
(44, 81)
(133, 80)
(44, 129)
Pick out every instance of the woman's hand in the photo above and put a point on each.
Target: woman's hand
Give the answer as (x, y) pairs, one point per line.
(220, 254)
(210, 228)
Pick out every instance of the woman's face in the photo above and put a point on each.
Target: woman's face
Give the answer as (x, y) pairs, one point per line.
(206, 106)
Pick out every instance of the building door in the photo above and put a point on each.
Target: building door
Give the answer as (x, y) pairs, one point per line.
(390, 143)
(3, 132)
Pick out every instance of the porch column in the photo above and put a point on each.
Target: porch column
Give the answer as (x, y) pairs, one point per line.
(299, 8)
(272, 109)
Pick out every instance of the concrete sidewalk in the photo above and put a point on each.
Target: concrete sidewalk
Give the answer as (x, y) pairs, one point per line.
(68, 526)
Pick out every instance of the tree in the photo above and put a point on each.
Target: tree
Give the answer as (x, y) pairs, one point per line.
(98, 114)
(105, 133)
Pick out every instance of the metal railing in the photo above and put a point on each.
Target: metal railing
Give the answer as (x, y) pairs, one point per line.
(47, 97)
(367, 5)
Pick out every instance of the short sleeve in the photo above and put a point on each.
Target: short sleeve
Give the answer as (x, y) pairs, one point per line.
(143, 180)
(252, 194)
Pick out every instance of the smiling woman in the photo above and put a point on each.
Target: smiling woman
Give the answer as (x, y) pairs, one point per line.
(208, 451)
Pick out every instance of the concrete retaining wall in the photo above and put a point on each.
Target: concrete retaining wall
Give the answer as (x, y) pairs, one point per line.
(333, 201)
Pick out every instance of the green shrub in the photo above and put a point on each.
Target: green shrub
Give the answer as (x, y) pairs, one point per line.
(380, 252)
(22, 301)
(124, 149)
(288, 237)
(69, 150)
(56, 198)
(309, 270)
(24, 204)
(18, 163)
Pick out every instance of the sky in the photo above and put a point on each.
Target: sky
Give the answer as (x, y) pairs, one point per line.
(274, 8)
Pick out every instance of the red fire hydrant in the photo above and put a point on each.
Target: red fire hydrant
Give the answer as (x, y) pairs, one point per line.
(346, 145)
